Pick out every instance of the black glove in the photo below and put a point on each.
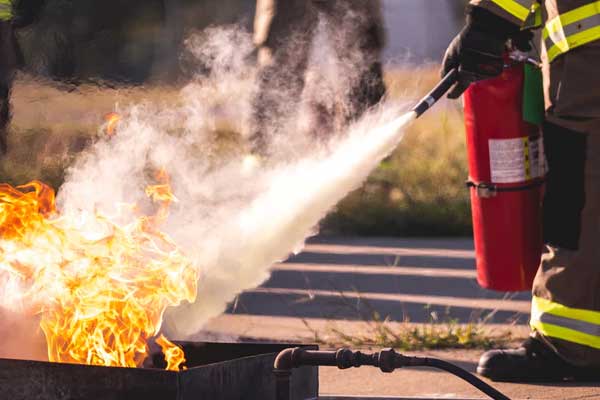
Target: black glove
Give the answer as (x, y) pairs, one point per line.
(477, 51)
(522, 40)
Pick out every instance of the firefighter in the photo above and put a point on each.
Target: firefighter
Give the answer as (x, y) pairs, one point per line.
(14, 14)
(565, 314)
(283, 34)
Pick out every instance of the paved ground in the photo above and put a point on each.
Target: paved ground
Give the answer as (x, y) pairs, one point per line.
(403, 279)
(341, 283)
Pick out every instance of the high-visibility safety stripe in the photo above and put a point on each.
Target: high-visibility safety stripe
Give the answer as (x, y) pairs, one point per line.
(519, 9)
(570, 324)
(535, 18)
(572, 29)
(6, 13)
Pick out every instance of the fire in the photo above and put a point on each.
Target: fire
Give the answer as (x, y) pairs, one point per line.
(100, 288)
(112, 120)
(173, 354)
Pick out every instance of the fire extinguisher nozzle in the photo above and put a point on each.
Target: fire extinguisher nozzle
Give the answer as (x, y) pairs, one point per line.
(437, 93)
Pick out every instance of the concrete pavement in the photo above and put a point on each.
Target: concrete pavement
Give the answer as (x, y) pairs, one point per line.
(404, 279)
(431, 384)
(340, 284)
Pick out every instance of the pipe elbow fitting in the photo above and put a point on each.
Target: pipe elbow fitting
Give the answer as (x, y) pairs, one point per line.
(287, 359)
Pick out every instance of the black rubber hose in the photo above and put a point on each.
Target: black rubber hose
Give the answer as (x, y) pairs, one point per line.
(387, 360)
(461, 373)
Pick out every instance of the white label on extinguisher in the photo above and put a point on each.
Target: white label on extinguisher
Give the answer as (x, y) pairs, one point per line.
(516, 160)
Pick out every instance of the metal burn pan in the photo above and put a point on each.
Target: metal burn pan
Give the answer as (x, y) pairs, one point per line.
(215, 371)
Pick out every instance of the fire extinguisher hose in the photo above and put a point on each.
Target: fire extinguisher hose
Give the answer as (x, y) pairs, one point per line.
(461, 373)
(437, 93)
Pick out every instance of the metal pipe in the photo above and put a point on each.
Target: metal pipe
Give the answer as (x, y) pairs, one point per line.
(387, 360)
(523, 57)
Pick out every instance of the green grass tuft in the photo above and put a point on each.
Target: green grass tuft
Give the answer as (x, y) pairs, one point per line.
(407, 336)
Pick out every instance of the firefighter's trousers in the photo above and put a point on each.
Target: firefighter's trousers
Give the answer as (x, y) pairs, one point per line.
(283, 33)
(566, 294)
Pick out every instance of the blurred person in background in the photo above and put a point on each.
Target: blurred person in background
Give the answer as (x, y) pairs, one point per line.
(8, 66)
(14, 14)
(565, 314)
(283, 34)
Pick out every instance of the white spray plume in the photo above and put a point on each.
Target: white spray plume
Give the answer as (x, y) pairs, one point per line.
(276, 223)
(233, 223)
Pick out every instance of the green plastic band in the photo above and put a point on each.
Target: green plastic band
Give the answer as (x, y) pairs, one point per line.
(533, 96)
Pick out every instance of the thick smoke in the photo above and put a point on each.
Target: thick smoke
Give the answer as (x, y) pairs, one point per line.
(232, 219)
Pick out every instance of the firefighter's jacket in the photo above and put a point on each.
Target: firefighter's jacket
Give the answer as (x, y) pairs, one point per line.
(571, 51)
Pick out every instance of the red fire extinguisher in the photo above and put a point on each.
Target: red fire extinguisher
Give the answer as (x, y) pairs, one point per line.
(506, 170)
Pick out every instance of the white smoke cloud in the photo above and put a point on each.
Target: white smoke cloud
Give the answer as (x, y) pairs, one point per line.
(233, 222)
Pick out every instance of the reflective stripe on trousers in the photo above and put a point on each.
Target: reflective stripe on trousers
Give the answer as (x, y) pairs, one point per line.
(6, 13)
(572, 29)
(570, 324)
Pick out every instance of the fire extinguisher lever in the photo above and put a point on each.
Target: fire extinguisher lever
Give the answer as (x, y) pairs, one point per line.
(437, 93)
(523, 57)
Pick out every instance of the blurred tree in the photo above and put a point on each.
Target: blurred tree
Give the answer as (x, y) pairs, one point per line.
(115, 40)
(137, 40)
(91, 39)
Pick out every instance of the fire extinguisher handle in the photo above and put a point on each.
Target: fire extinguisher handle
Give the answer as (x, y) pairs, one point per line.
(437, 93)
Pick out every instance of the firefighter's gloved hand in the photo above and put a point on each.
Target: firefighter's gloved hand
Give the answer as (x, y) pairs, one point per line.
(522, 40)
(477, 51)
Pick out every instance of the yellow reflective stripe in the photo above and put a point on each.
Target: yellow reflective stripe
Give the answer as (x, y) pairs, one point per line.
(571, 17)
(6, 10)
(515, 8)
(539, 18)
(571, 324)
(572, 29)
(579, 39)
(534, 19)
(539, 305)
(566, 334)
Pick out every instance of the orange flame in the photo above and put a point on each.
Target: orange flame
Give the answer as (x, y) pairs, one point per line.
(112, 120)
(161, 194)
(101, 290)
(173, 354)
